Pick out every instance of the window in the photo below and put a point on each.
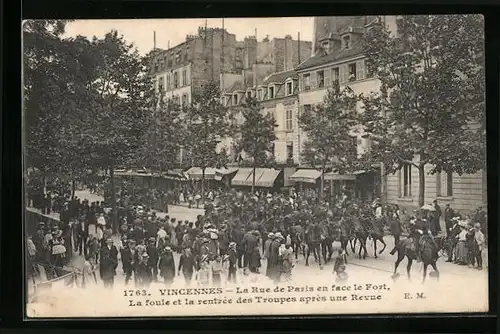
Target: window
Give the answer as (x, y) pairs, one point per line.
(169, 61)
(444, 184)
(307, 81)
(271, 92)
(405, 181)
(320, 77)
(186, 55)
(289, 151)
(249, 94)
(352, 71)
(177, 58)
(235, 99)
(346, 42)
(289, 120)
(176, 80)
(325, 45)
(260, 94)
(335, 76)
(307, 108)
(184, 78)
(289, 88)
(168, 82)
(160, 84)
(185, 100)
(360, 70)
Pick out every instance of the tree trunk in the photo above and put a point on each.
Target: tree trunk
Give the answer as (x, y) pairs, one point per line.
(114, 218)
(322, 184)
(73, 186)
(253, 179)
(203, 184)
(421, 185)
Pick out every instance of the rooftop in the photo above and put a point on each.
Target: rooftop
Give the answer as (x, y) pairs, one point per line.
(321, 58)
(280, 77)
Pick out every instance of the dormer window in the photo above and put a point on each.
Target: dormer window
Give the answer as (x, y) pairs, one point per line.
(271, 92)
(352, 71)
(346, 42)
(249, 94)
(289, 88)
(260, 94)
(325, 45)
(235, 99)
(223, 100)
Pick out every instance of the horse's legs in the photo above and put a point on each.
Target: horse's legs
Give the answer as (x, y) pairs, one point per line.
(308, 252)
(408, 268)
(400, 258)
(329, 246)
(374, 246)
(353, 244)
(323, 250)
(425, 272)
(434, 266)
(319, 247)
(383, 243)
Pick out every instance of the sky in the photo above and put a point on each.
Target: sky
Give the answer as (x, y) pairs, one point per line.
(141, 31)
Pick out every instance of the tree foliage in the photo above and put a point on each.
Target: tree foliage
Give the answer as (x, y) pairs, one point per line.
(330, 128)
(430, 109)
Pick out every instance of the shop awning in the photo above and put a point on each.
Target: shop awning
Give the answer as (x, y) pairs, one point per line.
(132, 173)
(174, 174)
(241, 176)
(196, 173)
(267, 178)
(331, 176)
(306, 175)
(221, 172)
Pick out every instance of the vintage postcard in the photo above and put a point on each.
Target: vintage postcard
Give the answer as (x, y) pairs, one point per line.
(255, 166)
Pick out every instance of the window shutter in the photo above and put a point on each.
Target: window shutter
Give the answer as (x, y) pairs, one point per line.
(301, 83)
(344, 73)
(314, 84)
(360, 70)
(328, 81)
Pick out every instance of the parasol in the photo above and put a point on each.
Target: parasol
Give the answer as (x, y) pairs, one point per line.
(428, 207)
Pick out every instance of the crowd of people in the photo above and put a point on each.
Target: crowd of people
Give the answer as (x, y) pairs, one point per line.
(237, 231)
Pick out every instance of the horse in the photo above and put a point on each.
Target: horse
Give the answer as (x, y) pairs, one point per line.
(428, 253)
(297, 236)
(326, 240)
(312, 239)
(360, 233)
(346, 234)
(376, 232)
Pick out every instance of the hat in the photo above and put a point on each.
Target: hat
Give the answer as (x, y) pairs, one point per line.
(152, 239)
(145, 255)
(168, 249)
(270, 235)
(269, 195)
(213, 235)
(232, 244)
(278, 235)
(477, 225)
(131, 241)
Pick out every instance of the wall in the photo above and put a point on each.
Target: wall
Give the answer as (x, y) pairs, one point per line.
(467, 195)
(260, 71)
(229, 79)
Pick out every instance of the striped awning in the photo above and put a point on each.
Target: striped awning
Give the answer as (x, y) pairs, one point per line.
(241, 176)
(221, 172)
(264, 177)
(196, 173)
(306, 175)
(267, 178)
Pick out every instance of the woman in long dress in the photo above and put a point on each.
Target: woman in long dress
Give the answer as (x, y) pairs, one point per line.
(167, 266)
(461, 249)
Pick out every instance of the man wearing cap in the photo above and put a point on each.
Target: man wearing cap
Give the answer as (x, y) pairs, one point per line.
(448, 215)
(153, 257)
(167, 266)
(232, 259)
(187, 265)
(143, 271)
(128, 257)
(108, 263)
(81, 233)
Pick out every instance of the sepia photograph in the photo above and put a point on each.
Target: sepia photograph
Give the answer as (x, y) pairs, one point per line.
(327, 165)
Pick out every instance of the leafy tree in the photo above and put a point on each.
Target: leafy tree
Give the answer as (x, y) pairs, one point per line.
(164, 135)
(256, 134)
(118, 111)
(330, 131)
(208, 123)
(430, 109)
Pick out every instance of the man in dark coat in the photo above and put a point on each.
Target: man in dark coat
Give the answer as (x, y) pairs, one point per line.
(153, 257)
(437, 216)
(395, 226)
(81, 233)
(129, 256)
(273, 262)
(237, 237)
(108, 263)
(448, 215)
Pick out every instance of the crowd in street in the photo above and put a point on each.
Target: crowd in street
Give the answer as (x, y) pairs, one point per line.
(238, 231)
